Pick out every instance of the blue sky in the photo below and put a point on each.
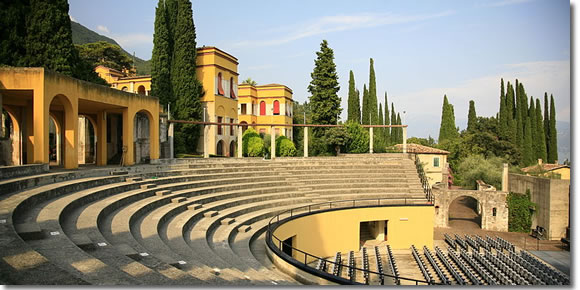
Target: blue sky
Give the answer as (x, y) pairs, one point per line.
(422, 49)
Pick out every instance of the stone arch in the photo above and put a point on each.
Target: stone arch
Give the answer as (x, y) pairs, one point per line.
(54, 140)
(87, 139)
(142, 136)
(141, 90)
(15, 136)
(62, 103)
(232, 152)
(220, 148)
(464, 211)
(244, 126)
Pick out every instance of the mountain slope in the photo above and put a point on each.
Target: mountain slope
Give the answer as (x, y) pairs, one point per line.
(82, 35)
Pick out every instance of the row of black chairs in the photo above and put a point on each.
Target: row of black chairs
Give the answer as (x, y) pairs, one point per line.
(351, 265)
(461, 242)
(463, 267)
(365, 261)
(472, 243)
(321, 266)
(474, 262)
(450, 268)
(450, 241)
(421, 264)
(531, 278)
(515, 277)
(380, 265)
(505, 244)
(435, 265)
(561, 277)
(493, 242)
(393, 265)
(482, 243)
(543, 275)
(500, 277)
(337, 266)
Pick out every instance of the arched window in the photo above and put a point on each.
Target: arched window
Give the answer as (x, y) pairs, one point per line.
(262, 108)
(219, 127)
(141, 90)
(124, 89)
(219, 84)
(232, 91)
(276, 108)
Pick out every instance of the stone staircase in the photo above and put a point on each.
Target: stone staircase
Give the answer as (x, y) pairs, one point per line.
(178, 222)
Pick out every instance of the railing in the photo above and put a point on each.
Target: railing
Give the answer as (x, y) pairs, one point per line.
(303, 259)
(424, 181)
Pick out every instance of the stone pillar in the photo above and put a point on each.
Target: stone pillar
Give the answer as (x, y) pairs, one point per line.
(272, 143)
(305, 141)
(128, 142)
(405, 140)
(371, 140)
(40, 111)
(206, 129)
(154, 136)
(101, 133)
(240, 142)
(505, 178)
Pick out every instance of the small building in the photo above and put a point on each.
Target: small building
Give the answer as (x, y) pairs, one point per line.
(434, 161)
(125, 81)
(548, 170)
(267, 104)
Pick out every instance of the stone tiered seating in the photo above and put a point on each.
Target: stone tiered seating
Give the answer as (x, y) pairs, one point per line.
(196, 222)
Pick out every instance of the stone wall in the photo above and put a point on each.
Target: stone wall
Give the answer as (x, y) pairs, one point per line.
(552, 199)
(487, 202)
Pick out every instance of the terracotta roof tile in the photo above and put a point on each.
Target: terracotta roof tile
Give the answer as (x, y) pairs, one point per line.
(545, 167)
(416, 148)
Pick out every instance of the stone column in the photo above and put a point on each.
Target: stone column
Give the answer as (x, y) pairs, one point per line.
(272, 143)
(240, 142)
(371, 140)
(101, 132)
(128, 141)
(305, 141)
(404, 139)
(505, 178)
(206, 129)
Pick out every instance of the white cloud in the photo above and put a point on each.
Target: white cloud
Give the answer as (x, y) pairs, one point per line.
(103, 29)
(538, 77)
(505, 3)
(328, 24)
(135, 39)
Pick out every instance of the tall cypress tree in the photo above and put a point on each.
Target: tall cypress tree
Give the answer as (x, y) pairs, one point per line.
(399, 130)
(471, 117)
(49, 36)
(447, 130)
(540, 134)
(353, 101)
(161, 59)
(503, 117)
(532, 118)
(365, 120)
(186, 88)
(510, 113)
(547, 126)
(373, 95)
(13, 32)
(528, 152)
(381, 135)
(394, 131)
(520, 118)
(387, 122)
(553, 149)
(324, 100)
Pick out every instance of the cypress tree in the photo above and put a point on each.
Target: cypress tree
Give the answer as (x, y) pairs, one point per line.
(510, 114)
(387, 122)
(520, 118)
(186, 88)
(324, 100)
(365, 109)
(372, 103)
(161, 59)
(394, 131)
(447, 130)
(381, 135)
(49, 36)
(553, 149)
(471, 117)
(171, 12)
(540, 134)
(547, 126)
(528, 152)
(503, 117)
(13, 32)
(353, 101)
(532, 118)
(399, 130)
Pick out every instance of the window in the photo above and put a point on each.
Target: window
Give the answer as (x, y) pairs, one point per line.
(219, 120)
(262, 108)
(243, 109)
(276, 108)
(435, 161)
(231, 128)
(253, 108)
(219, 85)
(277, 130)
(124, 89)
(232, 91)
(494, 211)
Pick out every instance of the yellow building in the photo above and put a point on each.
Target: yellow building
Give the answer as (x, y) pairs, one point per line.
(125, 82)
(434, 161)
(267, 104)
(548, 170)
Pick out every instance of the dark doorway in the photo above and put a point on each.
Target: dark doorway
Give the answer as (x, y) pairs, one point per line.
(464, 213)
(386, 230)
(287, 246)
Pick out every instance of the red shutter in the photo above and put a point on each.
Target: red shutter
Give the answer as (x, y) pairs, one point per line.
(220, 89)
(276, 108)
(262, 108)
(232, 92)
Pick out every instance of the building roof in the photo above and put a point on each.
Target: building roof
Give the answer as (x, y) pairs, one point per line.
(545, 167)
(416, 148)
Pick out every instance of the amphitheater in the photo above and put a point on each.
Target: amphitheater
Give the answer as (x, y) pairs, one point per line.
(219, 221)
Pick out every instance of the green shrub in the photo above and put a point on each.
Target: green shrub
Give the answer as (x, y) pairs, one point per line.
(255, 147)
(266, 139)
(285, 147)
(358, 138)
(520, 209)
(476, 167)
(246, 137)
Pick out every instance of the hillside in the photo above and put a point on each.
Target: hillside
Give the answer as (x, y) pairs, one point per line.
(82, 35)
